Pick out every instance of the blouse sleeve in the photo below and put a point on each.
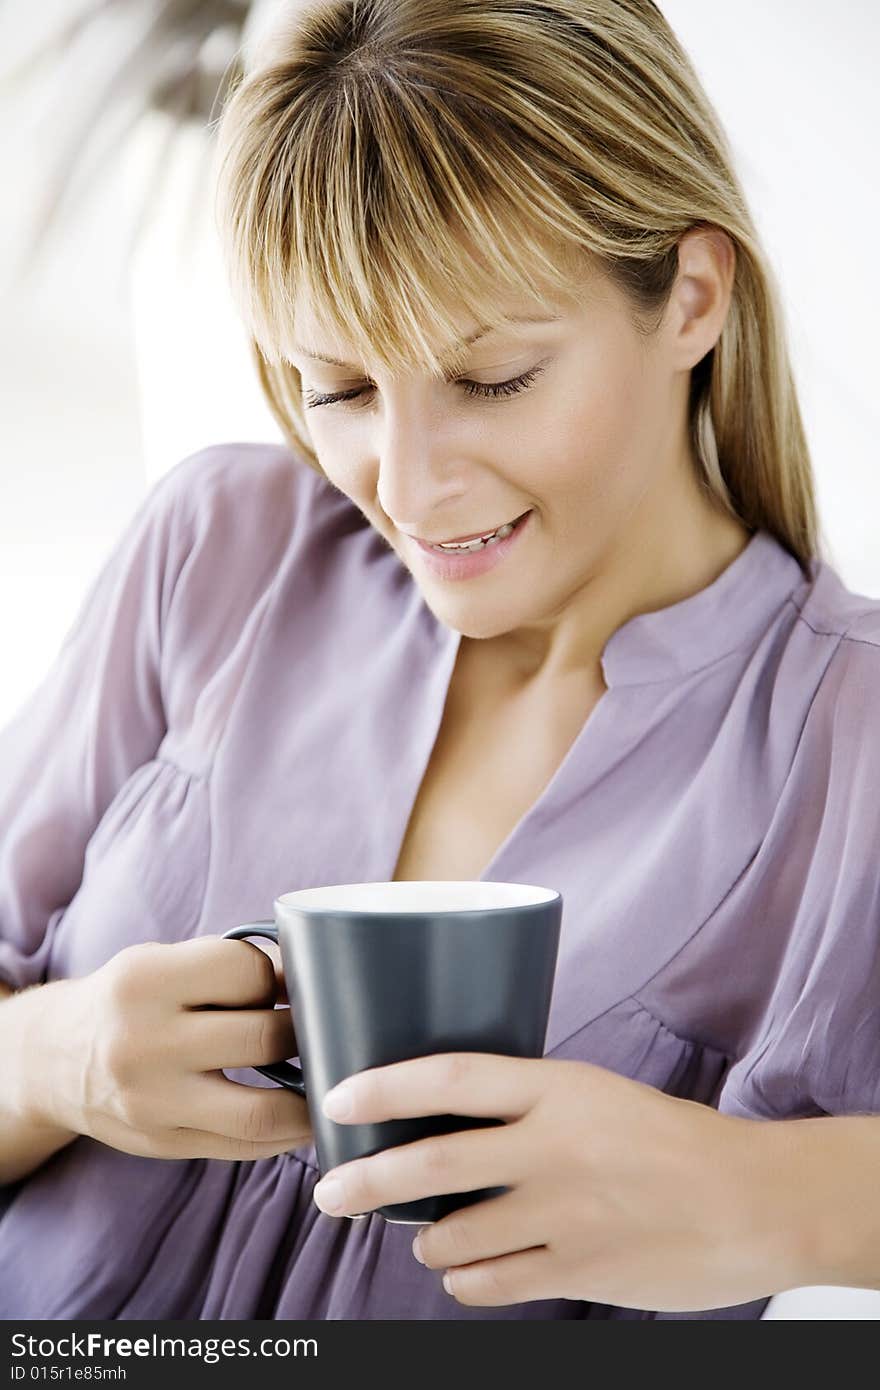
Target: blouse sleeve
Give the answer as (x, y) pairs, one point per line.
(95, 716)
(817, 1049)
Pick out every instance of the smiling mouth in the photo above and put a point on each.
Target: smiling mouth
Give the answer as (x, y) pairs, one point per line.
(480, 539)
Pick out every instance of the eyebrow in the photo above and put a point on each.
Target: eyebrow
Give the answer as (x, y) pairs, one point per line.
(480, 333)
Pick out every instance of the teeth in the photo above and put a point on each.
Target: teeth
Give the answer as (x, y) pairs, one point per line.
(478, 544)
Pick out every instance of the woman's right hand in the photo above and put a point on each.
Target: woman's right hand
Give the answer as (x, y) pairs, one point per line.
(132, 1054)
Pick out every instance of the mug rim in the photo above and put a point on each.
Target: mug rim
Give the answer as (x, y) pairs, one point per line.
(309, 900)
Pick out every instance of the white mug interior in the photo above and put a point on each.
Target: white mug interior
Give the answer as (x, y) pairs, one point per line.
(428, 895)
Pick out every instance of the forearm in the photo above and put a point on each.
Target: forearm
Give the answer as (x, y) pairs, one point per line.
(824, 1177)
(27, 1139)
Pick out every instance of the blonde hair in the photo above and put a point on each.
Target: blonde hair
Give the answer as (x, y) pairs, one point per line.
(394, 161)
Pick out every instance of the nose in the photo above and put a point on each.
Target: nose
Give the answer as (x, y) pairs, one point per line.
(419, 473)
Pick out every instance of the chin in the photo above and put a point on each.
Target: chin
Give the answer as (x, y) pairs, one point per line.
(476, 626)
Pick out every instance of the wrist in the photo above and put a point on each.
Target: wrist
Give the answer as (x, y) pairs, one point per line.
(789, 1231)
(815, 1187)
(37, 1063)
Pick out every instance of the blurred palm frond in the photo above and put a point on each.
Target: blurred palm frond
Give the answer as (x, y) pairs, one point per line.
(111, 62)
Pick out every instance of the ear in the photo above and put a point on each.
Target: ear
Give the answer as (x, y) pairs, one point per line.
(701, 293)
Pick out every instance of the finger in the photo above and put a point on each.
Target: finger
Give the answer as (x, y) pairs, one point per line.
(459, 1162)
(519, 1278)
(255, 1114)
(201, 1143)
(274, 954)
(499, 1226)
(210, 970)
(457, 1083)
(273, 951)
(212, 1039)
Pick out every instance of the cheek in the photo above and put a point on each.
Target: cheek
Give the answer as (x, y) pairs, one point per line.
(344, 465)
(606, 427)
(588, 458)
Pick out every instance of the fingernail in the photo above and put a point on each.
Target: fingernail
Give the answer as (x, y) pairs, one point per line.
(329, 1195)
(447, 1283)
(417, 1249)
(337, 1103)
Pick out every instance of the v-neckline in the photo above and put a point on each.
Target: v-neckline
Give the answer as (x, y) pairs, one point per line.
(451, 641)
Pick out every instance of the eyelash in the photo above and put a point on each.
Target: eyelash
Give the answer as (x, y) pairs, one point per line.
(490, 390)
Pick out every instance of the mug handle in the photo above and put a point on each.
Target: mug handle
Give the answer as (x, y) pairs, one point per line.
(283, 1072)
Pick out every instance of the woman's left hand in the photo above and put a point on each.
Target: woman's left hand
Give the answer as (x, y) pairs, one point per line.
(618, 1193)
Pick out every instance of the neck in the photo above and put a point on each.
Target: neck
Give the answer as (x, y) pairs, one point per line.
(645, 572)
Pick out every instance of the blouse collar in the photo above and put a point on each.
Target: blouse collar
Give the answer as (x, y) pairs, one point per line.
(730, 613)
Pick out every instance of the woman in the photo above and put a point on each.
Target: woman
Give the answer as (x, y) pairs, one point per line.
(498, 273)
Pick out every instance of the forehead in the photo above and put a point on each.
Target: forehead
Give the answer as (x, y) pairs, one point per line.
(320, 333)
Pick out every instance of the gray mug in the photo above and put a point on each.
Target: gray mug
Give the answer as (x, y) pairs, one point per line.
(378, 973)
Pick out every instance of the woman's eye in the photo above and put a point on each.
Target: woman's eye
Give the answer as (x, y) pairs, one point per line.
(489, 390)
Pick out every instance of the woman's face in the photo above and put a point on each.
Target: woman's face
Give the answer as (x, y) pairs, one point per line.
(594, 445)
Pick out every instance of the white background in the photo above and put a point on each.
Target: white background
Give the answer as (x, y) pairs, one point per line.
(110, 372)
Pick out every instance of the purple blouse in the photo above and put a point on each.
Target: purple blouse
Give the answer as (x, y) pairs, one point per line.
(246, 704)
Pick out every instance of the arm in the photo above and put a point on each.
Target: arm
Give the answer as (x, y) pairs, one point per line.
(814, 1048)
(146, 640)
(95, 717)
(823, 1174)
(25, 1142)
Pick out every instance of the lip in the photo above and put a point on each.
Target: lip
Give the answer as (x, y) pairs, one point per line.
(475, 562)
